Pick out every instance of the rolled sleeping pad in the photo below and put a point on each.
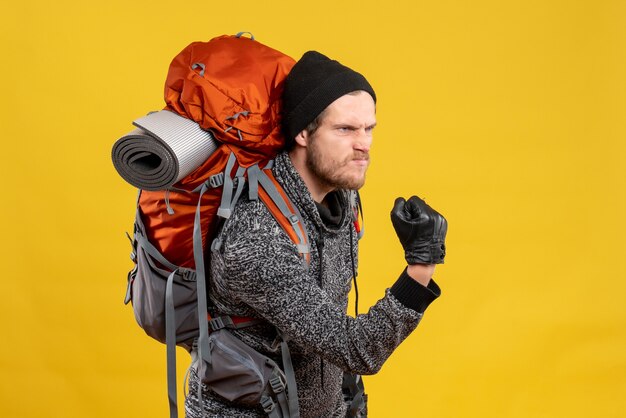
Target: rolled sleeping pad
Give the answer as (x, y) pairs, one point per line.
(164, 148)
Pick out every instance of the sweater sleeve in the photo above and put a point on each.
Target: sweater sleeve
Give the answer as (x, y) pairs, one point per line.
(412, 294)
(270, 277)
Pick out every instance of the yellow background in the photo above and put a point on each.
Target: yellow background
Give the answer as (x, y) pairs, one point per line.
(507, 116)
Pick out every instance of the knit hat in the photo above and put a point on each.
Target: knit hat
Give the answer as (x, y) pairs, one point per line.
(314, 83)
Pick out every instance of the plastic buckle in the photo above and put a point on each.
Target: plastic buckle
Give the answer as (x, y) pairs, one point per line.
(216, 180)
(220, 322)
(267, 404)
(217, 323)
(277, 384)
(293, 219)
(187, 275)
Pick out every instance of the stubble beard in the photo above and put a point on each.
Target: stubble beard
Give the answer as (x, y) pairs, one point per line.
(328, 171)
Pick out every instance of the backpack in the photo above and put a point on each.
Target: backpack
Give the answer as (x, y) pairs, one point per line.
(231, 88)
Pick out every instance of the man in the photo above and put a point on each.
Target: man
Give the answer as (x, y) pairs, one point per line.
(329, 117)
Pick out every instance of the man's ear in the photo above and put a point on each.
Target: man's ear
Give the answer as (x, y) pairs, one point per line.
(302, 138)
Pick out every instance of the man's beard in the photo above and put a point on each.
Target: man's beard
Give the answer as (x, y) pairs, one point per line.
(327, 171)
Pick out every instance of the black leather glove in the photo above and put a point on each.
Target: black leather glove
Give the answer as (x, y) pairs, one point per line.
(421, 230)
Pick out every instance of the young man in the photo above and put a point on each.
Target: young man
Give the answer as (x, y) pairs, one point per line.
(329, 117)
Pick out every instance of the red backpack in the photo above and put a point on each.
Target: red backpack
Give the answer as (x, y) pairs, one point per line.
(226, 90)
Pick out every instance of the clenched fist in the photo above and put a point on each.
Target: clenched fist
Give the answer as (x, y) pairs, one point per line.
(421, 230)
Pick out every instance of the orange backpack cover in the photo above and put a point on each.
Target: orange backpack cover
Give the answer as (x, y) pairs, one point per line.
(232, 86)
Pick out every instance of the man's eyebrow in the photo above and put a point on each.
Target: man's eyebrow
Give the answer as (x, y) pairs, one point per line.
(344, 125)
(352, 125)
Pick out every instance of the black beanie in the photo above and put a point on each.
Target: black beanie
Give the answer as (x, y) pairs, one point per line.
(314, 83)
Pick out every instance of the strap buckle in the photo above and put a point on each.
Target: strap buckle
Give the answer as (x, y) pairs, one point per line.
(220, 322)
(187, 274)
(267, 404)
(216, 180)
(277, 384)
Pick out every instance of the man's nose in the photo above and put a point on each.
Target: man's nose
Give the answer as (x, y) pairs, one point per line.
(363, 140)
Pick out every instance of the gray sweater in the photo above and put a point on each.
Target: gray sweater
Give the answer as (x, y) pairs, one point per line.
(259, 273)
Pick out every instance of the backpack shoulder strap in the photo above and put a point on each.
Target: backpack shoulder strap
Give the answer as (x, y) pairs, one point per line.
(284, 211)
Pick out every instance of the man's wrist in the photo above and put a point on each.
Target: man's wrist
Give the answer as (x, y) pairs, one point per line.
(421, 273)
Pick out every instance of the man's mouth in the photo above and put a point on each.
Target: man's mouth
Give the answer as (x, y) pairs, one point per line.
(361, 158)
(360, 161)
